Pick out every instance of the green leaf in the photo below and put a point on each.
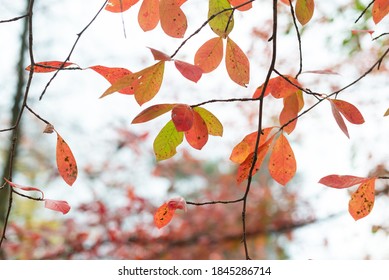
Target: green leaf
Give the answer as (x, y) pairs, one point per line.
(149, 84)
(166, 142)
(152, 112)
(222, 23)
(214, 126)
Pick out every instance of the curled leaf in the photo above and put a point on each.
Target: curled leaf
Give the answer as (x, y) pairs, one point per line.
(48, 66)
(57, 205)
(49, 129)
(25, 188)
(165, 212)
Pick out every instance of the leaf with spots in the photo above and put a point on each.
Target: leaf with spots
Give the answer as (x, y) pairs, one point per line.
(66, 163)
(221, 17)
(119, 6)
(362, 200)
(113, 74)
(209, 55)
(197, 135)
(183, 117)
(304, 10)
(243, 5)
(167, 141)
(148, 15)
(48, 66)
(341, 181)
(380, 10)
(173, 19)
(165, 212)
(282, 163)
(214, 126)
(189, 71)
(152, 112)
(57, 205)
(237, 64)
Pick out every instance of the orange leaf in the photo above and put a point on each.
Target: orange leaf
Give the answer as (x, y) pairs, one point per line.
(380, 10)
(182, 117)
(148, 16)
(339, 119)
(57, 205)
(66, 163)
(197, 135)
(282, 163)
(48, 66)
(349, 111)
(304, 10)
(341, 181)
(245, 7)
(165, 212)
(158, 55)
(152, 112)
(362, 200)
(189, 71)
(289, 112)
(279, 87)
(114, 74)
(209, 55)
(173, 19)
(237, 64)
(118, 6)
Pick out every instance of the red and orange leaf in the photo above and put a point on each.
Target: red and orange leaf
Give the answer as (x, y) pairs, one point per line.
(48, 66)
(189, 71)
(177, 203)
(282, 163)
(119, 6)
(237, 64)
(281, 88)
(304, 10)
(25, 188)
(209, 55)
(152, 112)
(183, 117)
(339, 119)
(197, 136)
(286, 2)
(380, 10)
(245, 7)
(57, 205)
(223, 23)
(214, 126)
(163, 215)
(128, 81)
(289, 112)
(113, 74)
(148, 16)
(349, 111)
(362, 200)
(167, 141)
(66, 163)
(173, 19)
(148, 85)
(158, 55)
(341, 181)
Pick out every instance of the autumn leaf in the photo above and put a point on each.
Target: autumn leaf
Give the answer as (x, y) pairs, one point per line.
(362, 200)
(279, 87)
(173, 19)
(237, 64)
(339, 119)
(152, 112)
(189, 71)
(197, 135)
(25, 188)
(48, 66)
(386, 113)
(165, 212)
(282, 163)
(244, 7)
(289, 112)
(113, 74)
(166, 142)
(148, 15)
(57, 205)
(220, 22)
(341, 181)
(66, 163)
(214, 126)
(349, 111)
(304, 10)
(182, 117)
(209, 55)
(119, 6)
(380, 10)
(158, 55)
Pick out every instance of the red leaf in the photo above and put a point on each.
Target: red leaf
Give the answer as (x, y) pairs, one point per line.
(237, 64)
(48, 66)
(177, 203)
(209, 55)
(279, 87)
(165, 212)
(380, 10)
(349, 111)
(152, 112)
(246, 7)
(66, 163)
(57, 205)
(113, 74)
(282, 163)
(182, 117)
(189, 71)
(341, 181)
(118, 6)
(339, 119)
(173, 19)
(197, 135)
(148, 16)
(354, 31)
(362, 200)
(158, 55)
(25, 188)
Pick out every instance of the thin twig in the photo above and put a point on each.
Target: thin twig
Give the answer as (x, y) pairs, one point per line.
(364, 11)
(298, 39)
(13, 19)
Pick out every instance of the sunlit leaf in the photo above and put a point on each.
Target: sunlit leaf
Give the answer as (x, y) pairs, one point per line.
(237, 64)
(25, 188)
(341, 181)
(380, 10)
(66, 163)
(289, 112)
(152, 112)
(57, 205)
(197, 135)
(182, 117)
(158, 55)
(167, 141)
(221, 22)
(118, 6)
(214, 126)
(173, 19)
(209, 55)
(279, 87)
(148, 16)
(113, 74)
(282, 163)
(245, 6)
(339, 119)
(189, 71)
(362, 200)
(48, 66)
(148, 85)
(349, 111)
(304, 10)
